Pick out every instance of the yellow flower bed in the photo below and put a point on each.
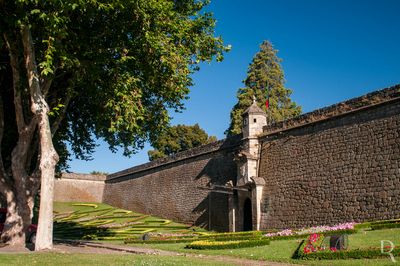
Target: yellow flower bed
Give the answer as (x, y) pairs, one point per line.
(214, 243)
(210, 244)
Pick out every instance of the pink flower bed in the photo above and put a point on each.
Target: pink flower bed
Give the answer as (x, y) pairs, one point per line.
(313, 230)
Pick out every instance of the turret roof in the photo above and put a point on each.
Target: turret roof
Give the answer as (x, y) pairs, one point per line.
(254, 109)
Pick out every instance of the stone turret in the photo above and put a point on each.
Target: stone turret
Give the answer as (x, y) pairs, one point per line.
(249, 216)
(254, 118)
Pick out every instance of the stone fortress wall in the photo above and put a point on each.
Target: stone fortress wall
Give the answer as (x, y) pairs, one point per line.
(177, 187)
(335, 164)
(79, 187)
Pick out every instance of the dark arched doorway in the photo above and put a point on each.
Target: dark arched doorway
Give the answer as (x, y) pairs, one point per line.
(247, 216)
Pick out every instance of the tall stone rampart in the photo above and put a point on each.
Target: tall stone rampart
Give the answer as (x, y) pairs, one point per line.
(177, 187)
(336, 164)
(79, 187)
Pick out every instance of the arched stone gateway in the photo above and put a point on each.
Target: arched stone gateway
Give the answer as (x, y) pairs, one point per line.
(247, 215)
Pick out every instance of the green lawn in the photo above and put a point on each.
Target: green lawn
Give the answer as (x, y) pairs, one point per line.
(278, 250)
(372, 238)
(99, 259)
(282, 250)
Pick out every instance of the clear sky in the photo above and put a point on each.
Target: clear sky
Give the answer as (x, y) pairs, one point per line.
(332, 50)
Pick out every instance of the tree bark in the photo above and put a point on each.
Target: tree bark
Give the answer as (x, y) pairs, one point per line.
(47, 155)
(17, 194)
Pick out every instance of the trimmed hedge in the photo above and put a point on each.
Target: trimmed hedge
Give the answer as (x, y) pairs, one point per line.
(162, 222)
(95, 210)
(371, 253)
(116, 217)
(244, 233)
(231, 238)
(86, 205)
(385, 226)
(160, 226)
(73, 217)
(97, 222)
(184, 239)
(159, 241)
(122, 211)
(376, 223)
(206, 244)
(327, 254)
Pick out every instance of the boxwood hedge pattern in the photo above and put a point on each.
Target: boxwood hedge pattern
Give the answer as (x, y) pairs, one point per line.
(199, 236)
(94, 222)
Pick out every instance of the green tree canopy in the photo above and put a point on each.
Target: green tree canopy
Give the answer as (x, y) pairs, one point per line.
(99, 69)
(264, 77)
(179, 138)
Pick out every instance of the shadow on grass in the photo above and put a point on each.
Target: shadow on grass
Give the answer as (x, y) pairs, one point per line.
(77, 231)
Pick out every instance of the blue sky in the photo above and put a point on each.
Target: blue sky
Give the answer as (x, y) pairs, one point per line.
(331, 51)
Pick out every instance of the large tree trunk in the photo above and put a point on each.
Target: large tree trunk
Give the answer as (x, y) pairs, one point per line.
(13, 232)
(17, 190)
(19, 215)
(47, 155)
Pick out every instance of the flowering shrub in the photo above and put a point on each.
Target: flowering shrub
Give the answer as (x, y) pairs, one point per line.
(325, 228)
(314, 243)
(286, 232)
(333, 254)
(317, 246)
(313, 230)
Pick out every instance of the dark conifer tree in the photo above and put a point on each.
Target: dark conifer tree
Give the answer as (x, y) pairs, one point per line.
(265, 80)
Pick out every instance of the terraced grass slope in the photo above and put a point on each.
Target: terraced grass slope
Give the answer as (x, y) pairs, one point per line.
(96, 221)
(92, 221)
